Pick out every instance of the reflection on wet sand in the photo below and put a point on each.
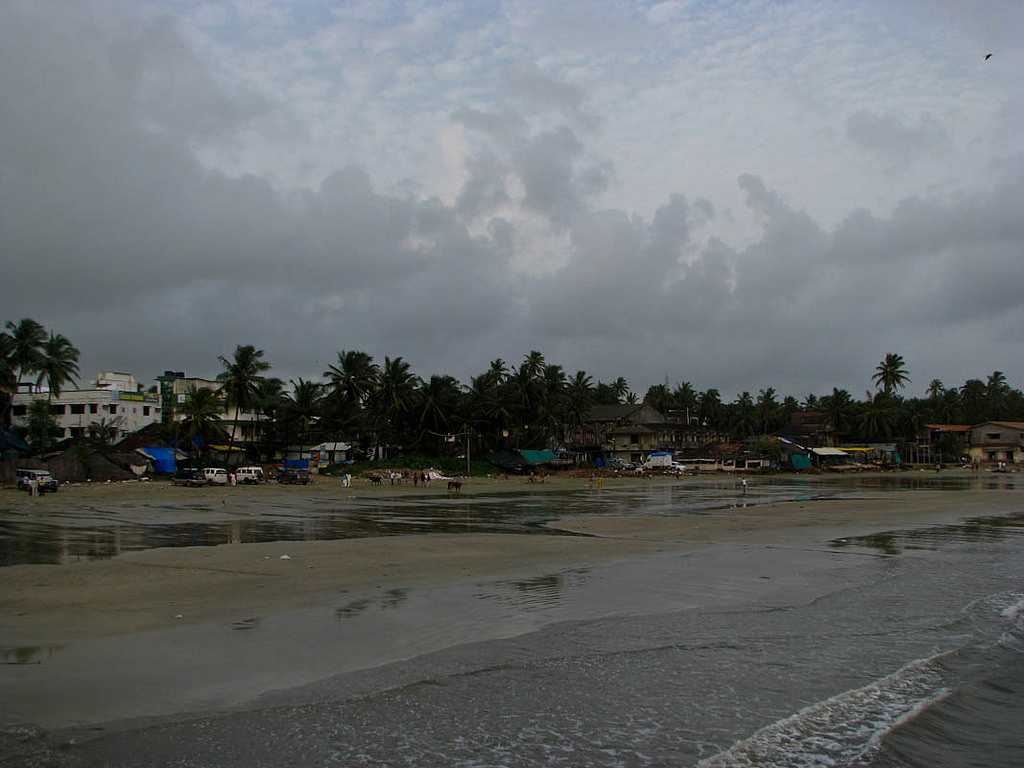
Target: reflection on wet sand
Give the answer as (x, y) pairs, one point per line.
(93, 533)
(978, 530)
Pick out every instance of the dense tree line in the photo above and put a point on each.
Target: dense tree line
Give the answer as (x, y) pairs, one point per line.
(536, 404)
(532, 404)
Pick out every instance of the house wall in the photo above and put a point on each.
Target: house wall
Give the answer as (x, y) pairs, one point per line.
(996, 442)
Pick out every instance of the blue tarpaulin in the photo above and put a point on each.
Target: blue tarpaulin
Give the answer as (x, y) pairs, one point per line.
(164, 460)
(538, 457)
(800, 461)
(296, 463)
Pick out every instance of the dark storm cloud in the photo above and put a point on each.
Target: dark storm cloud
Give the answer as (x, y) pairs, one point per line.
(113, 233)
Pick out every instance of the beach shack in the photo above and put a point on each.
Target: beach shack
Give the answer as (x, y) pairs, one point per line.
(829, 458)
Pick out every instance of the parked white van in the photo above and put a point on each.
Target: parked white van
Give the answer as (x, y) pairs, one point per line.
(216, 475)
(250, 475)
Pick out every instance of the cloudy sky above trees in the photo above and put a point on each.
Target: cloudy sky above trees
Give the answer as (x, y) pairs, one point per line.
(738, 194)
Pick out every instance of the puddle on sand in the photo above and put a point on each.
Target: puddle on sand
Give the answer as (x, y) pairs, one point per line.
(535, 593)
(389, 600)
(28, 654)
(973, 531)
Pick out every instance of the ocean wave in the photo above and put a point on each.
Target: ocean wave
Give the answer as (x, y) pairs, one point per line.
(844, 728)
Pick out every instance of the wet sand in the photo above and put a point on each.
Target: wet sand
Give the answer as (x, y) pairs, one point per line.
(176, 603)
(159, 588)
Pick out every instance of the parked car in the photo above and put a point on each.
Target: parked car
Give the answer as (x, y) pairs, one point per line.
(616, 463)
(294, 477)
(190, 476)
(216, 475)
(47, 482)
(250, 475)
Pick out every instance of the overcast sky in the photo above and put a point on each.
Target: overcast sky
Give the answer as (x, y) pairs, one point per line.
(738, 194)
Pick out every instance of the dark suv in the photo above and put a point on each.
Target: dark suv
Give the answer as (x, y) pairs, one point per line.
(294, 477)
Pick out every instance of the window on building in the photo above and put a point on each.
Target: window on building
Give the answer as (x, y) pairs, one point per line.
(77, 409)
(993, 435)
(94, 408)
(58, 410)
(634, 439)
(19, 410)
(112, 408)
(77, 431)
(145, 410)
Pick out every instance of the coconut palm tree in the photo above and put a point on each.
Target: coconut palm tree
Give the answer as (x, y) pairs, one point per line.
(878, 417)
(240, 383)
(660, 398)
(302, 407)
(973, 401)
(744, 415)
(996, 393)
(533, 364)
(685, 397)
(42, 427)
(267, 404)
(395, 395)
(579, 398)
(767, 408)
(103, 433)
(27, 339)
(891, 374)
(202, 411)
(621, 389)
(8, 378)
(498, 370)
(709, 407)
(438, 405)
(935, 390)
(58, 365)
(353, 378)
(838, 406)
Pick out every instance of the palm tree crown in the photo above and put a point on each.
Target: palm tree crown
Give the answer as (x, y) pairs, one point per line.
(891, 374)
(26, 352)
(58, 365)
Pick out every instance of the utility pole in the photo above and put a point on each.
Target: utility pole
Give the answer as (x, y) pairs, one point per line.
(467, 451)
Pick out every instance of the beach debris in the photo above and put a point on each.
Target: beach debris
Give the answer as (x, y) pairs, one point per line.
(286, 557)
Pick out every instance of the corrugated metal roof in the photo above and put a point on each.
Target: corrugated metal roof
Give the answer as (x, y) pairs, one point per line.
(828, 452)
(949, 427)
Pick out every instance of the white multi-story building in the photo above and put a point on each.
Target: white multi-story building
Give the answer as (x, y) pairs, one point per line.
(175, 388)
(113, 399)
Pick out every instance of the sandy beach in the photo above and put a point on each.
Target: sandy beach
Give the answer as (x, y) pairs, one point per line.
(154, 631)
(169, 586)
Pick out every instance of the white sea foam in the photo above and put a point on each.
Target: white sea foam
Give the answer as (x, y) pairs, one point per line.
(843, 728)
(1015, 610)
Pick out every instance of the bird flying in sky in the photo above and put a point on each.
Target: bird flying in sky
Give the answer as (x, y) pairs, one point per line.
(988, 56)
